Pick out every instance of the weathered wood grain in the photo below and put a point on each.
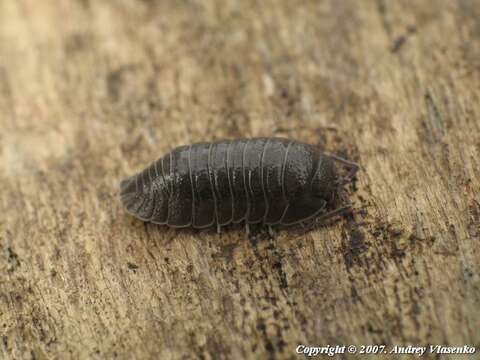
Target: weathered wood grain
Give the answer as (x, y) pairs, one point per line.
(91, 91)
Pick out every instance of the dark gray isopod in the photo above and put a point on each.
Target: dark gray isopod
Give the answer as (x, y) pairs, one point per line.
(273, 181)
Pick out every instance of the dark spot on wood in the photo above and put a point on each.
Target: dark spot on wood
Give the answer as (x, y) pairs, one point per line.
(235, 123)
(269, 346)
(382, 10)
(227, 251)
(398, 43)
(77, 43)
(395, 232)
(402, 39)
(355, 247)
(281, 344)
(115, 81)
(215, 346)
(260, 325)
(12, 256)
(354, 293)
(434, 125)
(85, 3)
(132, 266)
(13, 260)
(467, 273)
(373, 330)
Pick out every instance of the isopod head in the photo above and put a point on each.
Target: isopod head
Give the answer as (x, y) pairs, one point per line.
(324, 180)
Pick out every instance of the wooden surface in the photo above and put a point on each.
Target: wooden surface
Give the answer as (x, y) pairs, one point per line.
(92, 91)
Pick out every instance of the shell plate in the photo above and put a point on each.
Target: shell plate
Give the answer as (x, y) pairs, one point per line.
(257, 180)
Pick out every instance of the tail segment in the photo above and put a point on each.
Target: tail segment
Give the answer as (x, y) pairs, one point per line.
(129, 195)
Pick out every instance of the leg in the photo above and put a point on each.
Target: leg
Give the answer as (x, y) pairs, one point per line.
(247, 230)
(354, 167)
(325, 216)
(347, 163)
(270, 231)
(248, 234)
(337, 211)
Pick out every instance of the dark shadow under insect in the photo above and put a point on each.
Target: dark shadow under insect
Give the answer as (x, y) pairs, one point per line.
(268, 181)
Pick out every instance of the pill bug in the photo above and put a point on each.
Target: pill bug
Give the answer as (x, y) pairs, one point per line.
(273, 181)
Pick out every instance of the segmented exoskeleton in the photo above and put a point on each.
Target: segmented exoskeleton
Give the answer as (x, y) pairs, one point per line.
(258, 180)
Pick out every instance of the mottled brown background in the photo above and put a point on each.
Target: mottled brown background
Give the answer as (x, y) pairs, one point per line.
(91, 91)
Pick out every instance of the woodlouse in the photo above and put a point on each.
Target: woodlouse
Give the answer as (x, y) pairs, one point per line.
(257, 180)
